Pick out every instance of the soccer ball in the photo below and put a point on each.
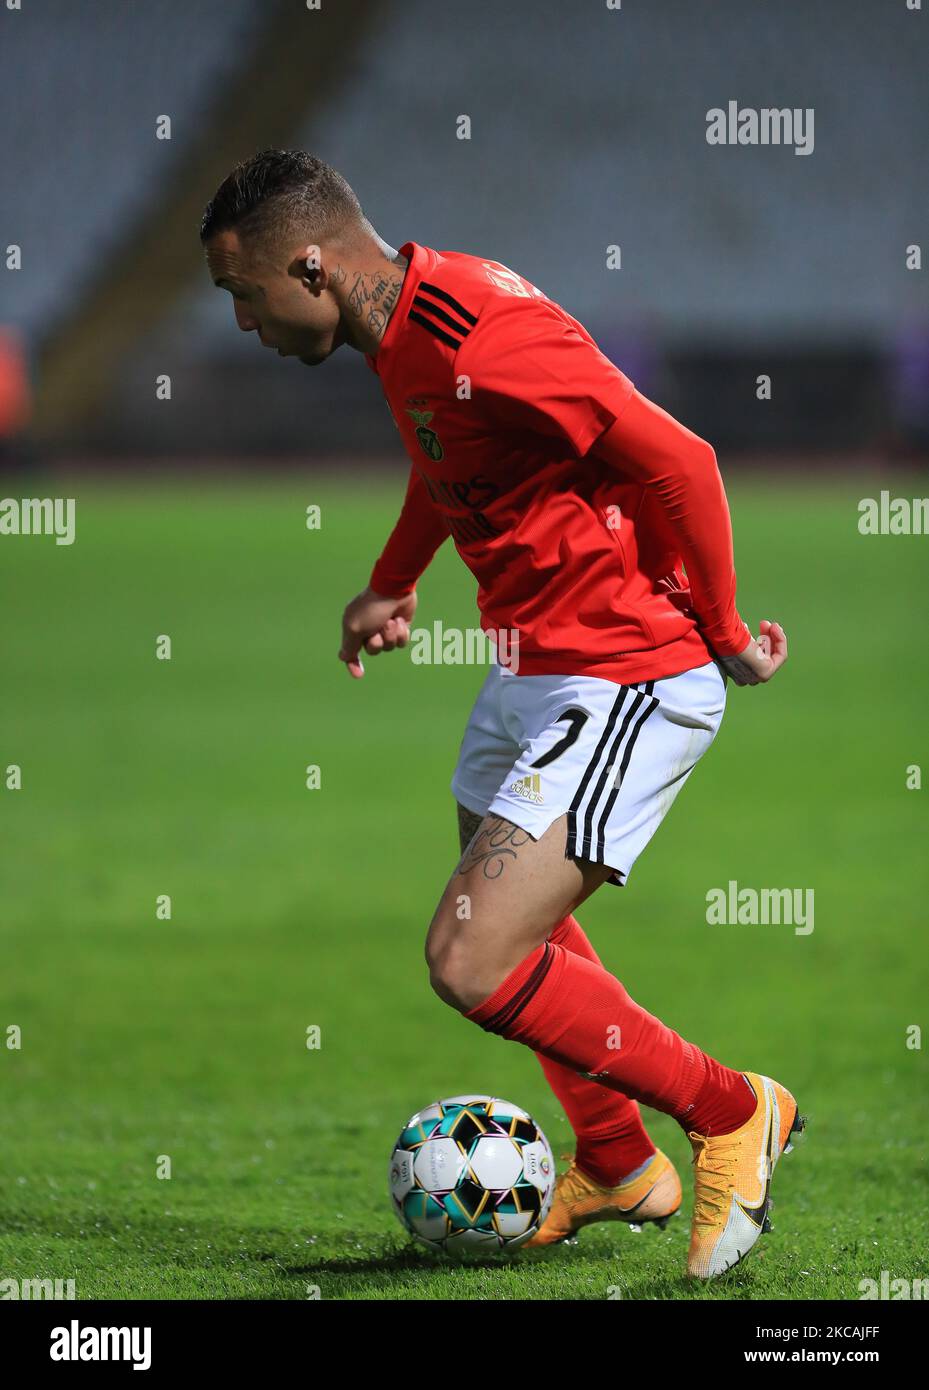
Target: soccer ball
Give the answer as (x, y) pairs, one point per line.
(471, 1173)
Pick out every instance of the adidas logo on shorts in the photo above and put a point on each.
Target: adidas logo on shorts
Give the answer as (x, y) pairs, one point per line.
(529, 788)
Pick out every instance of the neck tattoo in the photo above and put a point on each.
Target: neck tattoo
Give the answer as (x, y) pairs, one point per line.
(372, 297)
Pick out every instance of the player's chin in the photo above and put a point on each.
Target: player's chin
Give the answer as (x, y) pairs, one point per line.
(319, 352)
(319, 355)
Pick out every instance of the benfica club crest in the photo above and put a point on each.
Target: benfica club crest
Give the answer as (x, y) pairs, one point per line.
(429, 441)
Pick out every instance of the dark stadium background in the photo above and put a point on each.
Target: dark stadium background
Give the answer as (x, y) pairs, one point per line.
(144, 1037)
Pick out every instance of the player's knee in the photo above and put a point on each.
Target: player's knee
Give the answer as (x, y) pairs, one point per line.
(447, 970)
(442, 986)
(452, 973)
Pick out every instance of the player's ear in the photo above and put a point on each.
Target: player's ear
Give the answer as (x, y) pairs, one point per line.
(312, 266)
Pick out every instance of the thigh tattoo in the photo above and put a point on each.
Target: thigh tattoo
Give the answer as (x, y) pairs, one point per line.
(468, 821)
(492, 848)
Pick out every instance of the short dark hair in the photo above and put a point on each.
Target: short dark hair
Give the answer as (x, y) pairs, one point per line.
(281, 195)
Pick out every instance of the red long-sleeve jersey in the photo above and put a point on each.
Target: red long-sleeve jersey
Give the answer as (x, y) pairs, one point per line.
(574, 501)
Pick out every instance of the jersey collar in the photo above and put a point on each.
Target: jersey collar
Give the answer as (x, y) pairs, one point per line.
(420, 259)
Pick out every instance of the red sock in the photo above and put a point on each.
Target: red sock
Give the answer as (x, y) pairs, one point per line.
(611, 1138)
(576, 1013)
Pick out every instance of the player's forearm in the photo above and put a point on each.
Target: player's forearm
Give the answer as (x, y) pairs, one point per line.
(413, 542)
(694, 502)
(680, 469)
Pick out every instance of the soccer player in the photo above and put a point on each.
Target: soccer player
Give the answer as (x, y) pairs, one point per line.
(598, 531)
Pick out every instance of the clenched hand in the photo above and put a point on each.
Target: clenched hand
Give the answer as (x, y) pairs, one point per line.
(763, 656)
(376, 623)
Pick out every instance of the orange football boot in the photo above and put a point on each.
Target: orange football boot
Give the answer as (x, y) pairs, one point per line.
(732, 1180)
(579, 1200)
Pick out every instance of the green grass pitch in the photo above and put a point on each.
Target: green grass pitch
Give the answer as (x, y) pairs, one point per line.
(294, 907)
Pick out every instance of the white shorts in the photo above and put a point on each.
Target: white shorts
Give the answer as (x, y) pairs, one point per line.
(612, 757)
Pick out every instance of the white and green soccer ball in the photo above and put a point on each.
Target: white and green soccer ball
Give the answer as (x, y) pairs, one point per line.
(472, 1173)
